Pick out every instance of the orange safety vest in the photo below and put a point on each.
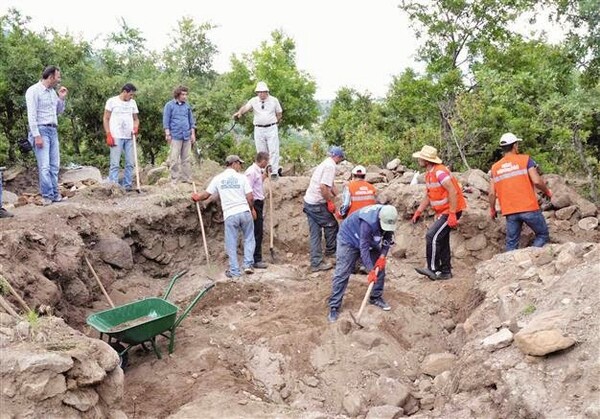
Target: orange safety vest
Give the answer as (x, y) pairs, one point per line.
(513, 185)
(438, 195)
(362, 194)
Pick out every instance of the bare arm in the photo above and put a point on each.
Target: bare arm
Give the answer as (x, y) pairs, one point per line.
(492, 195)
(326, 192)
(136, 122)
(279, 116)
(538, 181)
(105, 121)
(423, 205)
(250, 200)
(242, 110)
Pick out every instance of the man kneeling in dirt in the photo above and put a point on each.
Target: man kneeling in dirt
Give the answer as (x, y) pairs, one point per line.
(367, 234)
(237, 202)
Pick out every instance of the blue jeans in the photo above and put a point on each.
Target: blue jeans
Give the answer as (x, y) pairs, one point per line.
(535, 220)
(48, 162)
(320, 221)
(122, 145)
(346, 257)
(233, 224)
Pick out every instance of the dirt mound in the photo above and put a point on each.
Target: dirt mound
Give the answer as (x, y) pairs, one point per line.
(262, 347)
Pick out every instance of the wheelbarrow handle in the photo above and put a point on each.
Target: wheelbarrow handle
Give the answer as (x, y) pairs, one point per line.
(192, 304)
(175, 278)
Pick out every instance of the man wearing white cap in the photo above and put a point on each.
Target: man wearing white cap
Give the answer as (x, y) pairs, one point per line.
(237, 203)
(267, 114)
(512, 183)
(367, 235)
(444, 195)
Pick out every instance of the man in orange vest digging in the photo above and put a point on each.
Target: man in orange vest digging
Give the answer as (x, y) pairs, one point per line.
(512, 183)
(358, 193)
(445, 196)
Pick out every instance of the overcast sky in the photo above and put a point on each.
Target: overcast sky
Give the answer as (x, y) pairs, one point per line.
(358, 44)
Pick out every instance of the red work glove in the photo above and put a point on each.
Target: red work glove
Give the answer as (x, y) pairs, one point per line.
(452, 221)
(549, 194)
(110, 141)
(493, 213)
(331, 207)
(196, 197)
(372, 277)
(380, 263)
(416, 217)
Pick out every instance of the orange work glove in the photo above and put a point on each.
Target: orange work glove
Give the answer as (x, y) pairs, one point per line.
(331, 207)
(110, 141)
(372, 277)
(196, 197)
(380, 263)
(493, 213)
(452, 221)
(416, 217)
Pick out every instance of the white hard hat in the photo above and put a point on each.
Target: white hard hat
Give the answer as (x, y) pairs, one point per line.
(261, 86)
(359, 170)
(508, 139)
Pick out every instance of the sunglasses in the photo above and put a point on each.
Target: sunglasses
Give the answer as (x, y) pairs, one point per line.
(262, 105)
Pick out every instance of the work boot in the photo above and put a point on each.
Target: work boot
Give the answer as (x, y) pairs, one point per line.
(333, 315)
(443, 275)
(5, 214)
(379, 302)
(248, 270)
(323, 266)
(260, 265)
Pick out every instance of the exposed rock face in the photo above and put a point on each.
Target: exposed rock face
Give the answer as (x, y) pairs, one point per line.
(58, 372)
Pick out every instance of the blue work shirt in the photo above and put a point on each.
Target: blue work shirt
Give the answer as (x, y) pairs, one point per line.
(178, 118)
(362, 230)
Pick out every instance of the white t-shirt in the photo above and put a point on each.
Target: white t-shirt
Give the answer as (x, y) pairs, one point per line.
(232, 188)
(324, 174)
(267, 115)
(121, 116)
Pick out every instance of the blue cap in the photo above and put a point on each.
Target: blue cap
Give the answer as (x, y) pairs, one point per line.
(336, 151)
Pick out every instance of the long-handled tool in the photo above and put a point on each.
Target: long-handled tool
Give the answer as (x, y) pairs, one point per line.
(271, 237)
(200, 151)
(137, 169)
(98, 281)
(202, 227)
(364, 302)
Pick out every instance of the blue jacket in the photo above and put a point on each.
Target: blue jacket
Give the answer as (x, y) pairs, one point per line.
(178, 118)
(362, 230)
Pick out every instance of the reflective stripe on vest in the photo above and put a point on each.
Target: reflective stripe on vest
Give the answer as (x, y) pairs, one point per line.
(362, 194)
(519, 172)
(438, 195)
(438, 203)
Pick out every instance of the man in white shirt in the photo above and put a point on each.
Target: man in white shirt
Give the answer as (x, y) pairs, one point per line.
(320, 209)
(235, 193)
(256, 174)
(120, 123)
(267, 114)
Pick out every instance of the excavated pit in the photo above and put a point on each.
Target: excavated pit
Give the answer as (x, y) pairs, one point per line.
(260, 346)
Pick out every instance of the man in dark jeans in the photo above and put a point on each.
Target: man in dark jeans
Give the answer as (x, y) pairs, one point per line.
(320, 209)
(256, 175)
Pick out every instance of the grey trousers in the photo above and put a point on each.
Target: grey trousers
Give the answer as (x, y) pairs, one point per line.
(179, 160)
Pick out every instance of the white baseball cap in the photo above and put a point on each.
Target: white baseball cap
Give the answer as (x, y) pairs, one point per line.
(261, 86)
(359, 170)
(508, 139)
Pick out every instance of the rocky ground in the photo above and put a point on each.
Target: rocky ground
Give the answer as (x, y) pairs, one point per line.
(511, 335)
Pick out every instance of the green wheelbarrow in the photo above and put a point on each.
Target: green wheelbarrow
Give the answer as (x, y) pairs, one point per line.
(142, 321)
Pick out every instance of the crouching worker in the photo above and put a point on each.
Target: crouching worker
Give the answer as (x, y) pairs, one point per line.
(366, 234)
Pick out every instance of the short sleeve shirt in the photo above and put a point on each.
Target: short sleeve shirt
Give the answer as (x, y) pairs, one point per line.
(324, 174)
(265, 113)
(121, 116)
(232, 188)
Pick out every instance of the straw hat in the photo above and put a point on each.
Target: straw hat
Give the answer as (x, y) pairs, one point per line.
(428, 153)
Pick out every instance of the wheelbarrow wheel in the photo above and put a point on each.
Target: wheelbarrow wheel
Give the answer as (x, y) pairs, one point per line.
(124, 359)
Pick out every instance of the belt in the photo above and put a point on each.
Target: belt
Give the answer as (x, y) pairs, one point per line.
(49, 125)
(266, 126)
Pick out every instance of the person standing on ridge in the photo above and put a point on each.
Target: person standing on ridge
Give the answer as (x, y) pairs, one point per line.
(445, 196)
(320, 209)
(256, 175)
(513, 182)
(366, 234)
(267, 114)
(180, 132)
(120, 123)
(43, 107)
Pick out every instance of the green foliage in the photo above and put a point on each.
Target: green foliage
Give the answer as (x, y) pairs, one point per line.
(529, 309)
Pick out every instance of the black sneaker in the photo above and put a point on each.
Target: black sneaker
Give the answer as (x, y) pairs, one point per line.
(260, 265)
(333, 315)
(443, 275)
(380, 302)
(427, 272)
(5, 214)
